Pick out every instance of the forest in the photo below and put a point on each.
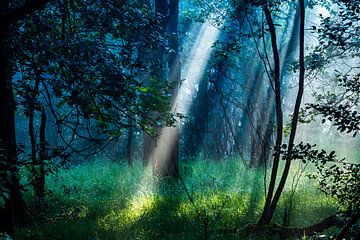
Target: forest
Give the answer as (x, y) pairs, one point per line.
(179, 119)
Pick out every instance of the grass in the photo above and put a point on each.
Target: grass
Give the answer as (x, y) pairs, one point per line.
(99, 200)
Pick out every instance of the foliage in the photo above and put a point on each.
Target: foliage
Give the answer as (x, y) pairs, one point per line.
(110, 201)
(340, 108)
(5, 237)
(339, 40)
(336, 177)
(340, 33)
(91, 68)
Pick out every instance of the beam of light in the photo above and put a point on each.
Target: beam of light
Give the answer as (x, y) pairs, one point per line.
(194, 69)
(192, 72)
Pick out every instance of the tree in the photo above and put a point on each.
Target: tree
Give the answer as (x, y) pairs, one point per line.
(90, 105)
(276, 76)
(13, 207)
(162, 152)
(295, 118)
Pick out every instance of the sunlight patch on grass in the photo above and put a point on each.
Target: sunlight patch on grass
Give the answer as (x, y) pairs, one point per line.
(137, 207)
(140, 203)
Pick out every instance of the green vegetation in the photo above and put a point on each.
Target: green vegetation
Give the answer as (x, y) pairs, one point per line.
(101, 200)
(236, 89)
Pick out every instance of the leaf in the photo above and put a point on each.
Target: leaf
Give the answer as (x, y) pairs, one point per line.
(2, 202)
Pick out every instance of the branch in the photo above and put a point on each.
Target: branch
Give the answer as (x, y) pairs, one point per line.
(326, 223)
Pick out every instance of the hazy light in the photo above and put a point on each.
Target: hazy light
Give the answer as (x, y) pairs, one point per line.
(192, 72)
(194, 67)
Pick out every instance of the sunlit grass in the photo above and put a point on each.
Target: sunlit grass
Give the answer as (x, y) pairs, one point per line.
(136, 208)
(109, 201)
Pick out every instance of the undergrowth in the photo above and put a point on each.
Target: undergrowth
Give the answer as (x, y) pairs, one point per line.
(99, 200)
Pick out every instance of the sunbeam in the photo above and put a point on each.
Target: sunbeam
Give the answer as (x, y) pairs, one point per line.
(194, 69)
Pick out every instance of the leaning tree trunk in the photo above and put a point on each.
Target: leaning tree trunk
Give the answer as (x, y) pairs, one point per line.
(295, 116)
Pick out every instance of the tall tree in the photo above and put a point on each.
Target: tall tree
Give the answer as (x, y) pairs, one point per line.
(271, 198)
(14, 207)
(163, 151)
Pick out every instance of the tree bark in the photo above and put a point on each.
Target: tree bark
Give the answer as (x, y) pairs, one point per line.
(266, 214)
(40, 173)
(295, 117)
(129, 143)
(159, 71)
(37, 165)
(271, 202)
(14, 209)
(164, 156)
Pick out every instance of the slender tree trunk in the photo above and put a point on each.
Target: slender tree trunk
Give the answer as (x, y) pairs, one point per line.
(40, 173)
(32, 138)
(271, 203)
(266, 129)
(129, 144)
(37, 160)
(295, 116)
(266, 215)
(247, 129)
(267, 143)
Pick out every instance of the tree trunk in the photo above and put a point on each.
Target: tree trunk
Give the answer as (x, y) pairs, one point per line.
(295, 116)
(164, 156)
(14, 209)
(159, 71)
(40, 171)
(129, 143)
(266, 214)
(148, 147)
(271, 203)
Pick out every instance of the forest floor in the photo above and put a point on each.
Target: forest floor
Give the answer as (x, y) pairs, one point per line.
(100, 200)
